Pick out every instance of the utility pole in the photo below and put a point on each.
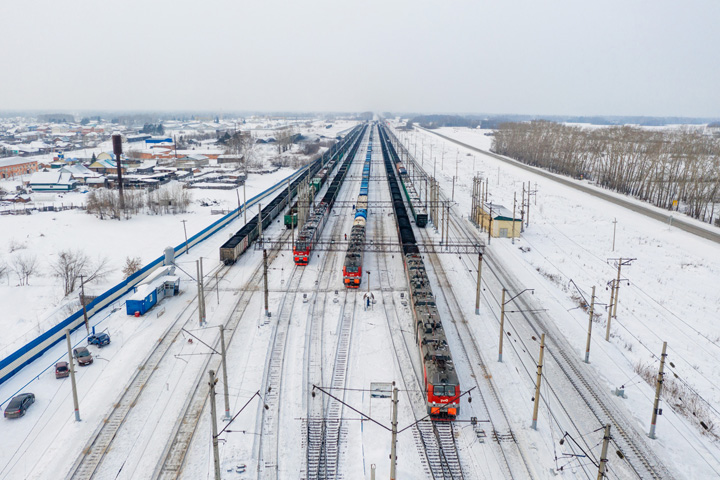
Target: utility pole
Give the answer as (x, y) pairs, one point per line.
(393, 456)
(658, 390)
(185, 230)
(590, 321)
(200, 313)
(260, 221)
(82, 300)
(265, 269)
(479, 277)
(612, 299)
(453, 189)
(490, 225)
(513, 219)
(434, 162)
(223, 353)
(117, 150)
(442, 225)
(603, 456)
(527, 219)
(213, 413)
(202, 290)
(245, 198)
(614, 227)
(522, 210)
(237, 193)
(72, 375)
(447, 227)
(617, 288)
(502, 325)
(537, 386)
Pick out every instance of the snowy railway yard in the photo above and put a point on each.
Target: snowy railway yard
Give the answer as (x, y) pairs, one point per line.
(144, 402)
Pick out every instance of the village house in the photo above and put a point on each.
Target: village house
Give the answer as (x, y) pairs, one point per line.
(14, 166)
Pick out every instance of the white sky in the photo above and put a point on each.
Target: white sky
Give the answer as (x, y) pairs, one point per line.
(519, 56)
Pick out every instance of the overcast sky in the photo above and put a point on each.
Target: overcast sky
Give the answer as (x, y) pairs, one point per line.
(505, 56)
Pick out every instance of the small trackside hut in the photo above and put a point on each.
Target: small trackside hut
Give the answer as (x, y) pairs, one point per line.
(163, 283)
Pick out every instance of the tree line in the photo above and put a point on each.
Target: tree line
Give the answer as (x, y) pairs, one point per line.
(172, 198)
(676, 169)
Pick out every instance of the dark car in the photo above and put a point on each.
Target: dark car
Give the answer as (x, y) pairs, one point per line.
(101, 339)
(18, 405)
(62, 370)
(83, 356)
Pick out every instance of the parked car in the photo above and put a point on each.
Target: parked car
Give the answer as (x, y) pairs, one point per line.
(62, 370)
(18, 405)
(101, 339)
(82, 354)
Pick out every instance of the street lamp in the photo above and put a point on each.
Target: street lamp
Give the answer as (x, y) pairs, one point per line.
(502, 316)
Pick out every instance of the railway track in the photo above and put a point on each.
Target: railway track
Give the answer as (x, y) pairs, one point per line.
(515, 463)
(100, 441)
(437, 449)
(640, 458)
(171, 462)
(323, 424)
(267, 445)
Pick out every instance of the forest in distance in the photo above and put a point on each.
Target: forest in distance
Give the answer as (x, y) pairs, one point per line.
(675, 169)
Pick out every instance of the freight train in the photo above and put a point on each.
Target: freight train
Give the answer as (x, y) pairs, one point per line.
(441, 383)
(231, 250)
(352, 268)
(317, 182)
(313, 227)
(417, 207)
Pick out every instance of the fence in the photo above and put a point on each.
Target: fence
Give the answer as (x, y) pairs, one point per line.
(34, 349)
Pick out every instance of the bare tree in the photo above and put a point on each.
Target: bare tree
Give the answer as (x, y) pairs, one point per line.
(4, 269)
(71, 264)
(132, 265)
(24, 267)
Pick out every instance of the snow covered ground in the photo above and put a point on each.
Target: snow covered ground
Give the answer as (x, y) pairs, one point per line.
(672, 296)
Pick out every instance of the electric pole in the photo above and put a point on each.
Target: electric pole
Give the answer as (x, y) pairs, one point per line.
(237, 194)
(612, 299)
(72, 375)
(393, 455)
(614, 228)
(265, 269)
(185, 230)
(658, 390)
(537, 386)
(590, 321)
(200, 313)
(603, 456)
(223, 354)
(502, 325)
(82, 300)
(202, 290)
(522, 210)
(479, 277)
(260, 222)
(513, 219)
(216, 453)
